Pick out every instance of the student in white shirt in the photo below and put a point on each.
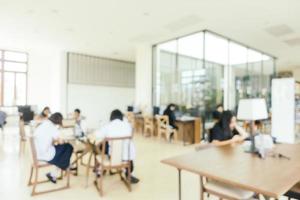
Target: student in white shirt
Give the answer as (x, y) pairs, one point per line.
(49, 147)
(79, 126)
(117, 127)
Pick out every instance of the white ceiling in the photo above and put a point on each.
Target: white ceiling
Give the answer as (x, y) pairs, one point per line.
(113, 28)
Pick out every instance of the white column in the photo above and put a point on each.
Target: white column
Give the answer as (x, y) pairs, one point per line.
(143, 77)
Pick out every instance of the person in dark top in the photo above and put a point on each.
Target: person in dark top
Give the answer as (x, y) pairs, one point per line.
(226, 131)
(170, 113)
(217, 112)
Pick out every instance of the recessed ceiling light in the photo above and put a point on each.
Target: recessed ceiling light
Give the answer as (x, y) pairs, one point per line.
(69, 29)
(293, 42)
(183, 22)
(279, 30)
(146, 14)
(54, 11)
(30, 12)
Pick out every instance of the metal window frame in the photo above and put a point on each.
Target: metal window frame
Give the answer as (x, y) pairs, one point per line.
(2, 71)
(204, 31)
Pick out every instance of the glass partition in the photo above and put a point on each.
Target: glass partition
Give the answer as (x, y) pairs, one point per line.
(201, 70)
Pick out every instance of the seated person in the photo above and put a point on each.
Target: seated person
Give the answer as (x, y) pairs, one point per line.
(50, 148)
(217, 113)
(79, 130)
(226, 131)
(170, 112)
(43, 116)
(3, 116)
(117, 127)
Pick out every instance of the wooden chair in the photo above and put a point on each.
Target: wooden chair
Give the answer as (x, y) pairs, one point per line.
(148, 125)
(114, 161)
(92, 150)
(22, 135)
(80, 150)
(131, 119)
(221, 190)
(34, 171)
(164, 129)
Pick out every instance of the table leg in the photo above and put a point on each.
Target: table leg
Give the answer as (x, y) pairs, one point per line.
(201, 189)
(184, 135)
(179, 183)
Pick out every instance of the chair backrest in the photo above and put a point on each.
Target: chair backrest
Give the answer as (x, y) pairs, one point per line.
(119, 150)
(33, 150)
(162, 121)
(148, 120)
(22, 129)
(130, 118)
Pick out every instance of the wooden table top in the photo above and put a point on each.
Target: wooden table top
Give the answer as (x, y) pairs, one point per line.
(272, 176)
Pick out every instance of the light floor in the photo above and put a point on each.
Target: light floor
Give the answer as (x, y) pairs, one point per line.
(158, 181)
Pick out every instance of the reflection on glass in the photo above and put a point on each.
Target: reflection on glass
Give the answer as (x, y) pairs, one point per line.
(15, 56)
(15, 67)
(9, 89)
(20, 89)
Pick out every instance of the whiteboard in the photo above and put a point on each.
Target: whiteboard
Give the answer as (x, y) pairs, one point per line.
(283, 109)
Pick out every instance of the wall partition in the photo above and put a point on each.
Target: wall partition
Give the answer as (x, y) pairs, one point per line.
(204, 69)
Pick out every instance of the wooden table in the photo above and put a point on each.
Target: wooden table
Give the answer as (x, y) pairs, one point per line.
(189, 130)
(271, 177)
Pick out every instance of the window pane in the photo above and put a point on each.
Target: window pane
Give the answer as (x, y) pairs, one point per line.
(15, 56)
(254, 56)
(20, 89)
(239, 79)
(9, 89)
(15, 67)
(167, 89)
(216, 49)
(237, 54)
(191, 46)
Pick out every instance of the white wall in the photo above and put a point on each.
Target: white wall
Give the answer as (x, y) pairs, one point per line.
(143, 77)
(96, 102)
(47, 79)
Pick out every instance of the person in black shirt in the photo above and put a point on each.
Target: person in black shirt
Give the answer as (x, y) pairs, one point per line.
(170, 113)
(226, 131)
(216, 114)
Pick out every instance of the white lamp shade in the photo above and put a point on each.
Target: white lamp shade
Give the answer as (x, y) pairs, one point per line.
(252, 109)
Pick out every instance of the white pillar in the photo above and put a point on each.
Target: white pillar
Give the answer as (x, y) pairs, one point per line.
(143, 77)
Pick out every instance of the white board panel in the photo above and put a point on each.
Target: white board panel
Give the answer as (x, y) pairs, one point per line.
(93, 70)
(283, 109)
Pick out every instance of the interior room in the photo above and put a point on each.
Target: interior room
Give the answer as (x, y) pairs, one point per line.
(149, 100)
